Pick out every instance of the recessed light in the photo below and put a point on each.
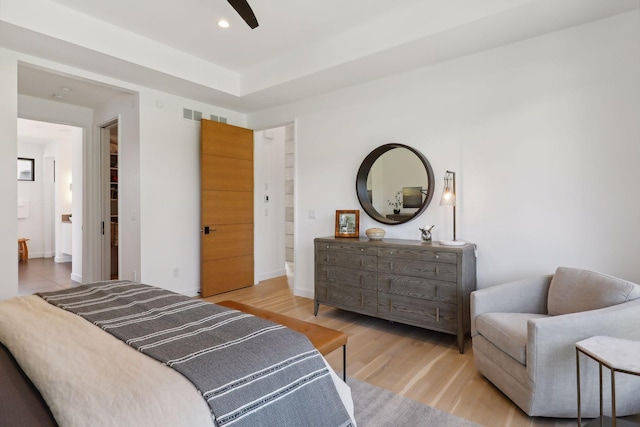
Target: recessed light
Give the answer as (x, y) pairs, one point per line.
(58, 96)
(66, 89)
(223, 23)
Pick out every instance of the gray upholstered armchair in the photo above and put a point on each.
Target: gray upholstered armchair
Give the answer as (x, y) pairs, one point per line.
(524, 336)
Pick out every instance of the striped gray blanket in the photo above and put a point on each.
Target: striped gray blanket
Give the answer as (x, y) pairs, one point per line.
(251, 372)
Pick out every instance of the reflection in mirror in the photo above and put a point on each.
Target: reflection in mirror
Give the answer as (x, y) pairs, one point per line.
(394, 184)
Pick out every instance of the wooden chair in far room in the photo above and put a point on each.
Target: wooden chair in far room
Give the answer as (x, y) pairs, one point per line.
(23, 250)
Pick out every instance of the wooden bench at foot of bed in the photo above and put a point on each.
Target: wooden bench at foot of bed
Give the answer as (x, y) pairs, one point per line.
(325, 340)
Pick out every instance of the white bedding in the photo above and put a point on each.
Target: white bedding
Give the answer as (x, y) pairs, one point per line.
(88, 377)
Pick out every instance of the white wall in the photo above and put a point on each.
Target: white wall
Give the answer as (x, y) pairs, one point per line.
(269, 217)
(81, 118)
(543, 134)
(77, 138)
(46, 202)
(159, 191)
(125, 109)
(8, 173)
(32, 194)
(169, 190)
(62, 151)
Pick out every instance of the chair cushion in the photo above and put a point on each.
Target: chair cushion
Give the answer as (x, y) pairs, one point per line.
(574, 290)
(507, 331)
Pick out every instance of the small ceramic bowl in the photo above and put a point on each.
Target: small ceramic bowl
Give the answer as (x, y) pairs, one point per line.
(375, 233)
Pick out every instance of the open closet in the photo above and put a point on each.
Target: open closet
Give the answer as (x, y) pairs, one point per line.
(113, 201)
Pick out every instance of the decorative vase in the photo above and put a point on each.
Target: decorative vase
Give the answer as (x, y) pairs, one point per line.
(375, 233)
(396, 211)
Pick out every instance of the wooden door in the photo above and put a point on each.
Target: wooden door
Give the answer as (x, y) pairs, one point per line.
(226, 168)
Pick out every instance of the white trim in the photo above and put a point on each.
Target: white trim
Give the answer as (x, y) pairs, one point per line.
(272, 275)
(92, 208)
(63, 258)
(193, 291)
(299, 292)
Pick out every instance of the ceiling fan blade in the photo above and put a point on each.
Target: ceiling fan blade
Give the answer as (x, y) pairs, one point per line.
(245, 12)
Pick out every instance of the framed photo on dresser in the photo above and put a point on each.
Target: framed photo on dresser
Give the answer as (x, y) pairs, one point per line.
(347, 223)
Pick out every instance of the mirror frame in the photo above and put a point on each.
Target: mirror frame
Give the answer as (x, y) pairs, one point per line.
(363, 173)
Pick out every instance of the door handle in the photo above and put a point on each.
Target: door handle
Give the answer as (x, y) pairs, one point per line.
(206, 229)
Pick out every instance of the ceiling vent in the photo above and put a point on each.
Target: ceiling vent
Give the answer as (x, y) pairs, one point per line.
(196, 116)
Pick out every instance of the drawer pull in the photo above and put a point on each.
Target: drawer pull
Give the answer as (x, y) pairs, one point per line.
(437, 314)
(390, 306)
(328, 246)
(361, 249)
(361, 300)
(437, 256)
(436, 293)
(437, 271)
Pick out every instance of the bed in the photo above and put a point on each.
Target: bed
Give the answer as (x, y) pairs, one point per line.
(121, 353)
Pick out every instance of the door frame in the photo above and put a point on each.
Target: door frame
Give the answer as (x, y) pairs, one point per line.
(50, 192)
(105, 199)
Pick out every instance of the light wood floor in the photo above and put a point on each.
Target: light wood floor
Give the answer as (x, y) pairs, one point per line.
(422, 365)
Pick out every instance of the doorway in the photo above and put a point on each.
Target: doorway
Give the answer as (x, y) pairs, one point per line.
(48, 204)
(111, 190)
(274, 202)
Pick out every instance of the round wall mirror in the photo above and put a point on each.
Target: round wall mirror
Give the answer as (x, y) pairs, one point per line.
(394, 184)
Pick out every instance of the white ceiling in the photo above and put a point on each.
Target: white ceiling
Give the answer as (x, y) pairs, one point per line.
(40, 83)
(301, 49)
(286, 26)
(36, 132)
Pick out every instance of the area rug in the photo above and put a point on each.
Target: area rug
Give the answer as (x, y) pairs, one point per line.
(377, 407)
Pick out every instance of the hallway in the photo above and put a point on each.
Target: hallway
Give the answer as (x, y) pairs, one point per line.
(43, 275)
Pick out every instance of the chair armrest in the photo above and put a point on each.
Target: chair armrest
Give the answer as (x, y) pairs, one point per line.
(521, 296)
(551, 340)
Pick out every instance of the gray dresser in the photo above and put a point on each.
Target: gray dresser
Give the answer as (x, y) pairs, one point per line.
(405, 281)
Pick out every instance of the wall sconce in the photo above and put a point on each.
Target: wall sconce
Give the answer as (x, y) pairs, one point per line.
(449, 199)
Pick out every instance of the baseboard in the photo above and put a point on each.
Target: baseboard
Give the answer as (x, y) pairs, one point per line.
(76, 278)
(36, 255)
(272, 275)
(63, 258)
(190, 292)
(303, 293)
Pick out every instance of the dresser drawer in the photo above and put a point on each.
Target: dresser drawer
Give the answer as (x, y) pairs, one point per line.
(348, 298)
(347, 259)
(365, 279)
(423, 313)
(417, 287)
(419, 254)
(427, 270)
(347, 248)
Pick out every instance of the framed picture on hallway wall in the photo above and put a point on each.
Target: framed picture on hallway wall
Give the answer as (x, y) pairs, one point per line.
(347, 223)
(26, 169)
